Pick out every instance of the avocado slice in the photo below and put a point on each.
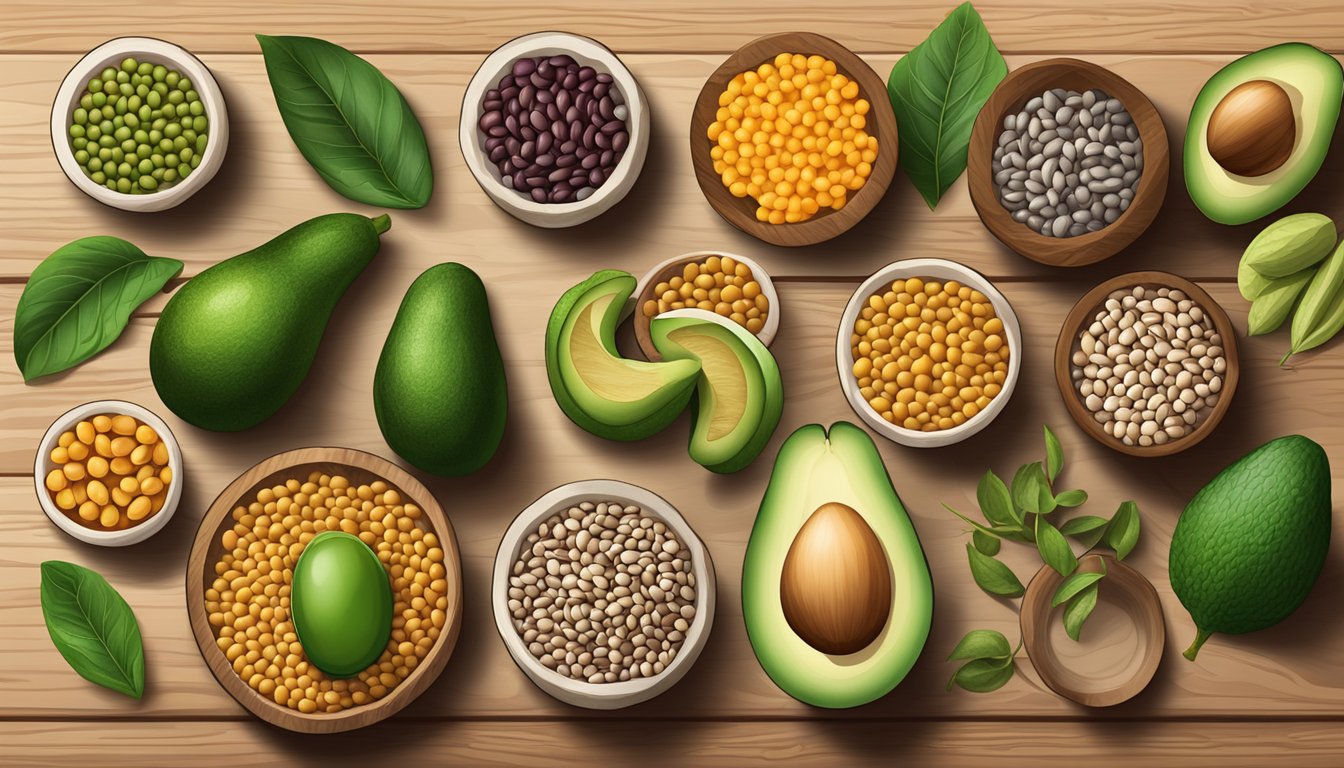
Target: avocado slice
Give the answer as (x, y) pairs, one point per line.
(1253, 181)
(599, 390)
(739, 396)
(814, 472)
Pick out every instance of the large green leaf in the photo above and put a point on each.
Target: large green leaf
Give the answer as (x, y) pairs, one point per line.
(936, 91)
(93, 627)
(349, 121)
(993, 576)
(79, 300)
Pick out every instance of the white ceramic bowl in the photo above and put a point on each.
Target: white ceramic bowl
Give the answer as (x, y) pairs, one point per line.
(587, 52)
(603, 695)
(149, 49)
(844, 356)
(43, 464)
(758, 273)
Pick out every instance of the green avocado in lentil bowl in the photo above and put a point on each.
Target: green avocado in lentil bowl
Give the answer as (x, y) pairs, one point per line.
(139, 127)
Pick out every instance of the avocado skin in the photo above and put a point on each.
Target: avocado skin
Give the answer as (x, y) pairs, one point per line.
(439, 391)
(1251, 543)
(235, 342)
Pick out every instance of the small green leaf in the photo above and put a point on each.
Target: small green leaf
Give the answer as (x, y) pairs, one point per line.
(1054, 455)
(982, 644)
(1123, 533)
(1011, 533)
(1075, 584)
(985, 544)
(1071, 499)
(1031, 492)
(1086, 529)
(995, 503)
(993, 576)
(1054, 548)
(1078, 609)
(983, 675)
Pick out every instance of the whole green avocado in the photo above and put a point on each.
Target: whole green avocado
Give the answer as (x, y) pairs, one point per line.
(236, 341)
(439, 391)
(1251, 543)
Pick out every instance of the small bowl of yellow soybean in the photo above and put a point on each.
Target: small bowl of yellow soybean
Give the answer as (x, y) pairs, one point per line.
(139, 124)
(109, 473)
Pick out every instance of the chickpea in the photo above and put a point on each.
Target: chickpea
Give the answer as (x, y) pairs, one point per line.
(108, 472)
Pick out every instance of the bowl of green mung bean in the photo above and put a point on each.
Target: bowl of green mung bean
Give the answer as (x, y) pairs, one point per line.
(139, 124)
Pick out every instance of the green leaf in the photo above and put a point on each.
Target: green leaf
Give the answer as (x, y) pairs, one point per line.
(993, 576)
(1075, 584)
(936, 91)
(995, 503)
(983, 675)
(985, 544)
(93, 627)
(982, 644)
(1031, 491)
(1054, 456)
(1054, 548)
(1086, 529)
(1074, 498)
(79, 300)
(1124, 531)
(1009, 532)
(349, 121)
(1078, 609)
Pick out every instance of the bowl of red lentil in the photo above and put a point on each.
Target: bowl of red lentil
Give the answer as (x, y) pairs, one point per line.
(727, 284)
(928, 352)
(240, 572)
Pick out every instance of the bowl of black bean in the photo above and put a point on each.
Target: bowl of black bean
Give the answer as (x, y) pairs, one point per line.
(554, 128)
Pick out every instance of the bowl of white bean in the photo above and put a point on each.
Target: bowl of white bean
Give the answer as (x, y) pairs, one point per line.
(603, 594)
(1147, 363)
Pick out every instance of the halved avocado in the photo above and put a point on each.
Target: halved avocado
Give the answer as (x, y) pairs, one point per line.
(814, 472)
(739, 397)
(599, 390)
(1237, 181)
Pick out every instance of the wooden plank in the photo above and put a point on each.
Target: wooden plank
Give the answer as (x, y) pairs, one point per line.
(693, 25)
(734, 744)
(266, 187)
(1291, 670)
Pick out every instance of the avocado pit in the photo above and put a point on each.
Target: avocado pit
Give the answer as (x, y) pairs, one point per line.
(1253, 129)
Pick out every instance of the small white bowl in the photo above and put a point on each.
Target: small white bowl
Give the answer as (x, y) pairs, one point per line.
(844, 356)
(110, 54)
(587, 52)
(758, 273)
(603, 695)
(127, 536)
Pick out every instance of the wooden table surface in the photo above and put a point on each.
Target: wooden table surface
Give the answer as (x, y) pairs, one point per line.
(1273, 697)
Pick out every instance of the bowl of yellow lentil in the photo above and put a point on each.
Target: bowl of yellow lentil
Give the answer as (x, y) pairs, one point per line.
(240, 573)
(730, 285)
(109, 473)
(928, 352)
(793, 139)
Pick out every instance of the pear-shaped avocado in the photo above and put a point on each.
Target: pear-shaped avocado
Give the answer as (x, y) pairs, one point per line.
(439, 391)
(236, 341)
(836, 592)
(1250, 545)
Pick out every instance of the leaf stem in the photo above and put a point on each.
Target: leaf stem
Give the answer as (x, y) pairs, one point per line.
(1200, 636)
(381, 223)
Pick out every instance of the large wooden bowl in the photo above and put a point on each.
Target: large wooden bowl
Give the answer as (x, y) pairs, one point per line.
(359, 467)
(741, 212)
(1015, 91)
(1082, 314)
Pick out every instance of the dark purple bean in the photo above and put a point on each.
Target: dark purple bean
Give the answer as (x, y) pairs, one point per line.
(537, 80)
(539, 120)
(493, 105)
(566, 161)
(545, 160)
(596, 177)
(569, 147)
(571, 81)
(559, 174)
(560, 131)
(589, 134)
(519, 161)
(524, 67)
(560, 60)
(498, 131)
(520, 181)
(528, 133)
(497, 154)
(528, 150)
(509, 93)
(600, 90)
(612, 126)
(586, 86)
(620, 141)
(562, 101)
(492, 142)
(526, 95)
(536, 181)
(587, 74)
(603, 77)
(579, 179)
(572, 114)
(513, 145)
(545, 97)
(513, 108)
(492, 95)
(590, 161)
(511, 124)
(544, 141)
(539, 194)
(508, 167)
(607, 159)
(545, 68)
(582, 101)
(602, 140)
(606, 108)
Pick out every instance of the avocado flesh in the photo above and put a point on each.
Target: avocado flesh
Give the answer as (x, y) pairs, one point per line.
(599, 390)
(1314, 83)
(1250, 545)
(813, 469)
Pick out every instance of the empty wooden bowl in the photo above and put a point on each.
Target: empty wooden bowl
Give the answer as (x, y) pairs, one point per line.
(1096, 673)
(1082, 315)
(360, 468)
(741, 211)
(1013, 93)
(673, 267)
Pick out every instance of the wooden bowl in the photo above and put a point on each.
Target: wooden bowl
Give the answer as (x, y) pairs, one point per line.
(1085, 676)
(1016, 90)
(359, 467)
(1082, 314)
(741, 212)
(673, 267)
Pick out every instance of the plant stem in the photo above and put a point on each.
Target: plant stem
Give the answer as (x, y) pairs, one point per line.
(381, 223)
(1200, 636)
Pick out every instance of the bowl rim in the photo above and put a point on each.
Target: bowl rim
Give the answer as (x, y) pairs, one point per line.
(604, 695)
(758, 273)
(207, 533)
(587, 51)
(942, 269)
(67, 99)
(1093, 246)
(1036, 614)
(42, 464)
(827, 225)
(1088, 304)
